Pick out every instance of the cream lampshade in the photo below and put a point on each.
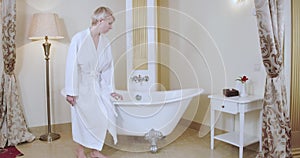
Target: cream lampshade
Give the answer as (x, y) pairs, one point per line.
(46, 26)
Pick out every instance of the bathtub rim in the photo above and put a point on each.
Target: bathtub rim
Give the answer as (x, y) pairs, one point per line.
(197, 91)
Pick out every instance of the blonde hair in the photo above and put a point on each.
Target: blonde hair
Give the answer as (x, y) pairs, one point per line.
(101, 13)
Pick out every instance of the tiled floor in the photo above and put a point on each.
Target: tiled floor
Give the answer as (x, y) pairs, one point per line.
(182, 143)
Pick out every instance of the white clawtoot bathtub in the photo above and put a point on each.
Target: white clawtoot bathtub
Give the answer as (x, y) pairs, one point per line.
(142, 112)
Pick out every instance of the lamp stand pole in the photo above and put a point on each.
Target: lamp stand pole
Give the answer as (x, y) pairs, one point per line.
(48, 136)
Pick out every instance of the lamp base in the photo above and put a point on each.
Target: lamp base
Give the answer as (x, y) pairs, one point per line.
(49, 137)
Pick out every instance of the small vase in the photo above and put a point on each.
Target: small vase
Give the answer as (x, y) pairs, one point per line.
(243, 90)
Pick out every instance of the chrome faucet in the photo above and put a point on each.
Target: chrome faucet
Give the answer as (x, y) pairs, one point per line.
(138, 97)
(140, 79)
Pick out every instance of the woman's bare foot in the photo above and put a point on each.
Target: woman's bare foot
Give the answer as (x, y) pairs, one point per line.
(80, 152)
(97, 154)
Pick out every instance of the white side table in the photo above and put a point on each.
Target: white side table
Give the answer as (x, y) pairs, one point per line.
(236, 105)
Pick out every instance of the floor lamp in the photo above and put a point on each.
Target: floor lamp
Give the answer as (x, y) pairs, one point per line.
(46, 26)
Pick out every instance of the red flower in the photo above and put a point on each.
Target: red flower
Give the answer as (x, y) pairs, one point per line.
(242, 79)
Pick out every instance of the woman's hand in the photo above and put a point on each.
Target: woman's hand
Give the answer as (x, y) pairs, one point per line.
(117, 96)
(71, 100)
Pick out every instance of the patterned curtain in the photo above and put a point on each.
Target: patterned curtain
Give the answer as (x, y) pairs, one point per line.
(13, 128)
(276, 131)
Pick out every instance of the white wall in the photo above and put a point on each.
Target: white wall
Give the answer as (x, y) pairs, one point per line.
(288, 48)
(225, 34)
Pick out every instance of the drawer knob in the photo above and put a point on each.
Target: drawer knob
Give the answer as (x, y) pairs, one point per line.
(223, 106)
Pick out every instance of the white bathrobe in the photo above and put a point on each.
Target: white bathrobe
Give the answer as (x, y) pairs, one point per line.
(89, 77)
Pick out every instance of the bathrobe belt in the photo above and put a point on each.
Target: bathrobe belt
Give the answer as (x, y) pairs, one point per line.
(94, 74)
(97, 76)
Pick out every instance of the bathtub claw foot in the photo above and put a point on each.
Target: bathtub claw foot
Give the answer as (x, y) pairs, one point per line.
(153, 148)
(153, 136)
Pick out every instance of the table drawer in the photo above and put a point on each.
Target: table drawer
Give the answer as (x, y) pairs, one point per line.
(224, 106)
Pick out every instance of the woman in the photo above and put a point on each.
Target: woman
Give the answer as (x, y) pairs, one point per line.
(89, 85)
